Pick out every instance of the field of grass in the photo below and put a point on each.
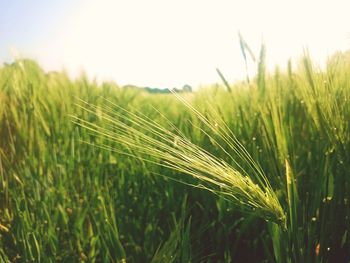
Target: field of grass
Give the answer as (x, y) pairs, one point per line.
(68, 195)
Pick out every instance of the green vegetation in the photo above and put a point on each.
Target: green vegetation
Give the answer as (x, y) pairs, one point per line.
(98, 173)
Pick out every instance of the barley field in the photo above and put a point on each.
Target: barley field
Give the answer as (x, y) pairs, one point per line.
(242, 172)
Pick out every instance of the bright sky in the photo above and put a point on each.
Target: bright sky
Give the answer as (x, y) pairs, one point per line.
(168, 43)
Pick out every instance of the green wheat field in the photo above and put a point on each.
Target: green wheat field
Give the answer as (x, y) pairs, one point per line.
(243, 172)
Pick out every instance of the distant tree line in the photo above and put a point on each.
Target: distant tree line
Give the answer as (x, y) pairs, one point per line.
(185, 88)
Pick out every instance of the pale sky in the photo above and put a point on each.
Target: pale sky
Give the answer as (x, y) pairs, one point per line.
(163, 43)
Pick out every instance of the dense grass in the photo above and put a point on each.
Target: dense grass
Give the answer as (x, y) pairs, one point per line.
(63, 200)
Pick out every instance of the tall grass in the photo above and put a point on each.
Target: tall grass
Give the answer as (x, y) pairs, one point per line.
(62, 200)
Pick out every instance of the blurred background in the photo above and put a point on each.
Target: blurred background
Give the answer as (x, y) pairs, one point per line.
(168, 44)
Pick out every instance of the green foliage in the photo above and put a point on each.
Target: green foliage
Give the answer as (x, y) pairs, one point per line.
(62, 200)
